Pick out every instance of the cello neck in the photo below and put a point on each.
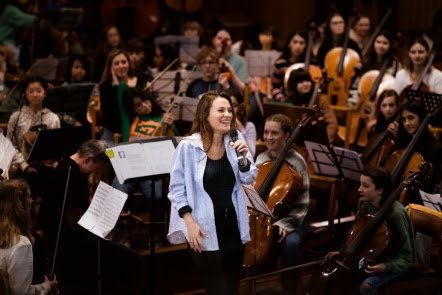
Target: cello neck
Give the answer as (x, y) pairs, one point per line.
(375, 33)
(266, 184)
(418, 83)
(374, 88)
(308, 54)
(340, 69)
(400, 166)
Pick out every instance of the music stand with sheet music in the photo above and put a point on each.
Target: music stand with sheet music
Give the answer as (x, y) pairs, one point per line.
(73, 98)
(428, 99)
(183, 112)
(161, 169)
(188, 46)
(167, 83)
(336, 162)
(260, 63)
(55, 143)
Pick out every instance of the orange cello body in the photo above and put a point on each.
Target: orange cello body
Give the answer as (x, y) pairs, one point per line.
(365, 109)
(280, 199)
(340, 80)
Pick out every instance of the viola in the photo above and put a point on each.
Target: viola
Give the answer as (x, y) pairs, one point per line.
(369, 237)
(339, 65)
(369, 85)
(278, 185)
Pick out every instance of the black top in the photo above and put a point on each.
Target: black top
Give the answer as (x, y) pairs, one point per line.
(218, 181)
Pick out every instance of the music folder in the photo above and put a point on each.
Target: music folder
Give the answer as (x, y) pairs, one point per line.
(142, 159)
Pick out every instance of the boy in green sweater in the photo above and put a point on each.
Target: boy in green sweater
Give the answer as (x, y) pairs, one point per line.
(376, 186)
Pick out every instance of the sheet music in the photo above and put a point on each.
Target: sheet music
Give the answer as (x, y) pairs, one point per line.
(260, 63)
(104, 210)
(7, 152)
(431, 201)
(254, 201)
(141, 159)
(186, 108)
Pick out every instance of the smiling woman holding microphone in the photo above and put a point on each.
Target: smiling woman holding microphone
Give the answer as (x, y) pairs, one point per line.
(208, 206)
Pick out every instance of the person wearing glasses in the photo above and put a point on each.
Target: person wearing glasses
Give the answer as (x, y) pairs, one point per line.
(209, 62)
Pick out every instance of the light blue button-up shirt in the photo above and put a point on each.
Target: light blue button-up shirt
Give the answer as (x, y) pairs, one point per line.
(186, 189)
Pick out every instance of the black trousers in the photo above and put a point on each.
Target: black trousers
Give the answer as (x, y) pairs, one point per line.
(220, 270)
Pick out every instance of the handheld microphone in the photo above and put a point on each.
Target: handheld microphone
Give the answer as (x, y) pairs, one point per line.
(234, 135)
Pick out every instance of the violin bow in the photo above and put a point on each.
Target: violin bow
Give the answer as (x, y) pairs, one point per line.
(51, 275)
(161, 74)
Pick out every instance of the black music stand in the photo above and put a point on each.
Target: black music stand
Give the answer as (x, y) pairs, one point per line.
(122, 159)
(428, 99)
(334, 162)
(55, 143)
(73, 98)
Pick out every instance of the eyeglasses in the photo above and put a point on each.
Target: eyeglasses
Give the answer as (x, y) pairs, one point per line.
(208, 62)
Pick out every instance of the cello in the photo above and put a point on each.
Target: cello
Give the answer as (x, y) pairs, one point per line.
(278, 185)
(401, 162)
(369, 238)
(380, 149)
(339, 65)
(369, 85)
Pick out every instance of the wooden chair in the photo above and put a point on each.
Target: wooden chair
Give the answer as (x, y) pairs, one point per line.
(422, 279)
(344, 129)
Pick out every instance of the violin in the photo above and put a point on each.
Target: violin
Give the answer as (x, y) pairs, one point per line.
(165, 130)
(368, 239)
(278, 185)
(370, 83)
(339, 65)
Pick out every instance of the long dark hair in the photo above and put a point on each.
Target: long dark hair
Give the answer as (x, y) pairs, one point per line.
(286, 52)
(382, 122)
(297, 76)
(132, 92)
(417, 108)
(201, 124)
(84, 62)
(370, 61)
